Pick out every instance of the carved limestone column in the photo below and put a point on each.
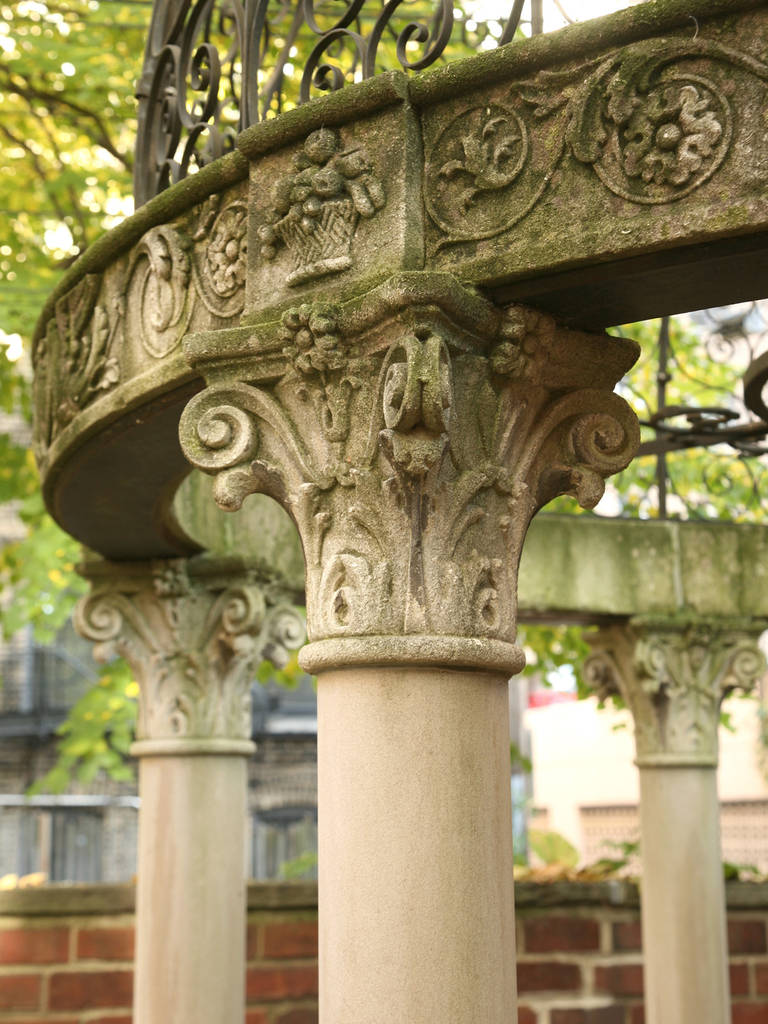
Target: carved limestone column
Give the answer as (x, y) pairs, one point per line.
(674, 676)
(412, 433)
(193, 632)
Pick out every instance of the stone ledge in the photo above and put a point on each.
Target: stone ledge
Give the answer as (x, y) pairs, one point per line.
(64, 900)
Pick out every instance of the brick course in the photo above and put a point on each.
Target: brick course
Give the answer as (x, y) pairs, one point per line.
(578, 962)
(562, 934)
(34, 946)
(20, 992)
(105, 944)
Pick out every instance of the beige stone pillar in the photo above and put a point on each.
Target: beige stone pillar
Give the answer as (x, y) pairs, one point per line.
(412, 434)
(193, 632)
(673, 677)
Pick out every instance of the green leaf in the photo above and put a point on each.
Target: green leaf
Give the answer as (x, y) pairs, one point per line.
(552, 848)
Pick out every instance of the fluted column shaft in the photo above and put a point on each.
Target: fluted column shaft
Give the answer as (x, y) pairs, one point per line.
(673, 677)
(193, 633)
(412, 434)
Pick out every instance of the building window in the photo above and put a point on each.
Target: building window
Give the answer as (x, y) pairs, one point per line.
(68, 839)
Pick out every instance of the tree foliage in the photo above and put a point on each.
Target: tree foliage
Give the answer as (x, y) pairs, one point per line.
(67, 128)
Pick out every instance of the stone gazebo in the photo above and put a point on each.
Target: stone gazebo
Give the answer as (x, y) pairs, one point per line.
(384, 309)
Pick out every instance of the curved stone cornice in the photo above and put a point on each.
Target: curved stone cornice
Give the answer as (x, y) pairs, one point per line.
(565, 178)
(193, 633)
(674, 677)
(412, 435)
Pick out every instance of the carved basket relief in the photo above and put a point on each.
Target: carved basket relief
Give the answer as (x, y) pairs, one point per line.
(333, 207)
(316, 208)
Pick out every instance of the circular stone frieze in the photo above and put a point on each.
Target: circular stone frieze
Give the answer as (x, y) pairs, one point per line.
(675, 139)
(470, 169)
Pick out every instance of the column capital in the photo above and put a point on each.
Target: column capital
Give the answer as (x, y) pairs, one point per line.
(674, 676)
(193, 631)
(412, 434)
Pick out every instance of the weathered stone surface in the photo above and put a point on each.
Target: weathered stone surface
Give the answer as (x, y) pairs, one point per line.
(261, 532)
(600, 156)
(572, 566)
(608, 172)
(412, 435)
(674, 676)
(584, 149)
(192, 631)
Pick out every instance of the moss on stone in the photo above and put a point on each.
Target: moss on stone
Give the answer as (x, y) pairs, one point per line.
(581, 40)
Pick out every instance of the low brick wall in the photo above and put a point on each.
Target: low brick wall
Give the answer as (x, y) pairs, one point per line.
(66, 954)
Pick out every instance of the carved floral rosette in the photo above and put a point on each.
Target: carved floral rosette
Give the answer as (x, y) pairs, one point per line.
(193, 634)
(412, 436)
(674, 678)
(178, 268)
(652, 120)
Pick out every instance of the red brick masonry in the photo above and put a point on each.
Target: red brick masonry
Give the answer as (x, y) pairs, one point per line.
(66, 954)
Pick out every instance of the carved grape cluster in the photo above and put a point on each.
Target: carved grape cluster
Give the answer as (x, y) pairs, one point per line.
(311, 338)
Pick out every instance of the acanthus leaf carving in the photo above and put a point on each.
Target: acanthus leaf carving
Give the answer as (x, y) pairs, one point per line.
(412, 517)
(193, 638)
(76, 359)
(674, 677)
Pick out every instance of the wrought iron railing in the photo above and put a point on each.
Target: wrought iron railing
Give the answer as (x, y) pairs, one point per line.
(709, 394)
(215, 67)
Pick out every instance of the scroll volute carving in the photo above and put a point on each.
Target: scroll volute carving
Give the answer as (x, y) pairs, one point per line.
(412, 437)
(194, 642)
(673, 679)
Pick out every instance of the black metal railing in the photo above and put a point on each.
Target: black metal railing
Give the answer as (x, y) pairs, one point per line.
(706, 389)
(215, 67)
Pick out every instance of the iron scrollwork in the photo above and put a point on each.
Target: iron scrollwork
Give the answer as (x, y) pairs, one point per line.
(733, 430)
(215, 67)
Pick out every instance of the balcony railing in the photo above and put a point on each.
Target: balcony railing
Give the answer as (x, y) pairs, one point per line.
(215, 67)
